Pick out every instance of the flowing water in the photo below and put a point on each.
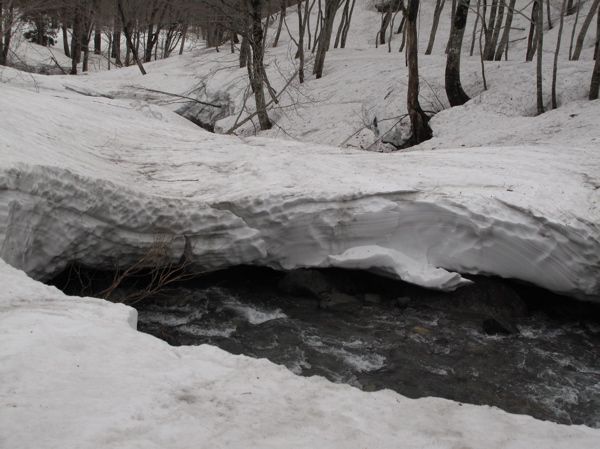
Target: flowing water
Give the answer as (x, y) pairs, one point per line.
(531, 353)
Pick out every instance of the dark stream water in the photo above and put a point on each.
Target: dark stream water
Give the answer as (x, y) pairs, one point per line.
(521, 349)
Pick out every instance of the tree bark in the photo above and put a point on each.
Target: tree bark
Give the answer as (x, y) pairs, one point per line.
(418, 119)
(281, 19)
(454, 91)
(258, 75)
(65, 36)
(532, 39)
(331, 7)
(439, 6)
(127, 29)
(347, 25)
(556, 53)
(474, 36)
(577, 9)
(540, 52)
(584, 29)
(503, 45)
(496, 33)
(98, 42)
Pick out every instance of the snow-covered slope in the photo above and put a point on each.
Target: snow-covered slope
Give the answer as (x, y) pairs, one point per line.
(99, 181)
(113, 387)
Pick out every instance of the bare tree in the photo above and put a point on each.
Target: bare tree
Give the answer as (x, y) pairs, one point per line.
(419, 121)
(540, 47)
(324, 40)
(595, 83)
(454, 91)
(503, 45)
(556, 53)
(584, 29)
(439, 6)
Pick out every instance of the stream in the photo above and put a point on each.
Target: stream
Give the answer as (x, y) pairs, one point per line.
(518, 348)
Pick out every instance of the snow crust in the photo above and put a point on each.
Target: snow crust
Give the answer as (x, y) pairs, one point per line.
(100, 180)
(113, 387)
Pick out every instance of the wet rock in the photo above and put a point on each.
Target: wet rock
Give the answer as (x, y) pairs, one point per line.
(372, 298)
(402, 301)
(494, 327)
(307, 281)
(340, 301)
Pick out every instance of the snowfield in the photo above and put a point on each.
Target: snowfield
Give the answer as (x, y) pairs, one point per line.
(97, 169)
(76, 374)
(99, 181)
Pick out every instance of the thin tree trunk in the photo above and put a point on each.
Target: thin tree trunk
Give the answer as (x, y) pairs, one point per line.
(347, 25)
(342, 24)
(490, 27)
(325, 36)
(532, 39)
(65, 36)
(452, 13)
(496, 32)
(584, 29)
(550, 26)
(301, 30)
(540, 52)
(281, 19)
(76, 40)
(439, 6)
(418, 119)
(256, 9)
(454, 91)
(127, 30)
(556, 53)
(183, 37)
(503, 45)
(97, 42)
(595, 83)
(577, 8)
(474, 36)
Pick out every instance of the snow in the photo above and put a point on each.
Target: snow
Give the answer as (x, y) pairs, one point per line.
(75, 373)
(100, 180)
(97, 169)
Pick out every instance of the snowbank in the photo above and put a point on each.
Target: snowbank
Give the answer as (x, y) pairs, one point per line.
(99, 181)
(114, 387)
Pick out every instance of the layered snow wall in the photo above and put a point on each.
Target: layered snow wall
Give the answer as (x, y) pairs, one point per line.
(98, 181)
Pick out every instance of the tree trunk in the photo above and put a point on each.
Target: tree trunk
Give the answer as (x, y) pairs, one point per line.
(76, 40)
(98, 42)
(127, 29)
(116, 45)
(65, 37)
(454, 91)
(452, 13)
(496, 33)
(490, 27)
(281, 19)
(577, 8)
(331, 7)
(256, 44)
(342, 24)
(584, 29)
(418, 119)
(439, 6)
(550, 26)
(595, 84)
(531, 39)
(347, 25)
(556, 53)
(474, 36)
(183, 37)
(540, 52)
(503, 45)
